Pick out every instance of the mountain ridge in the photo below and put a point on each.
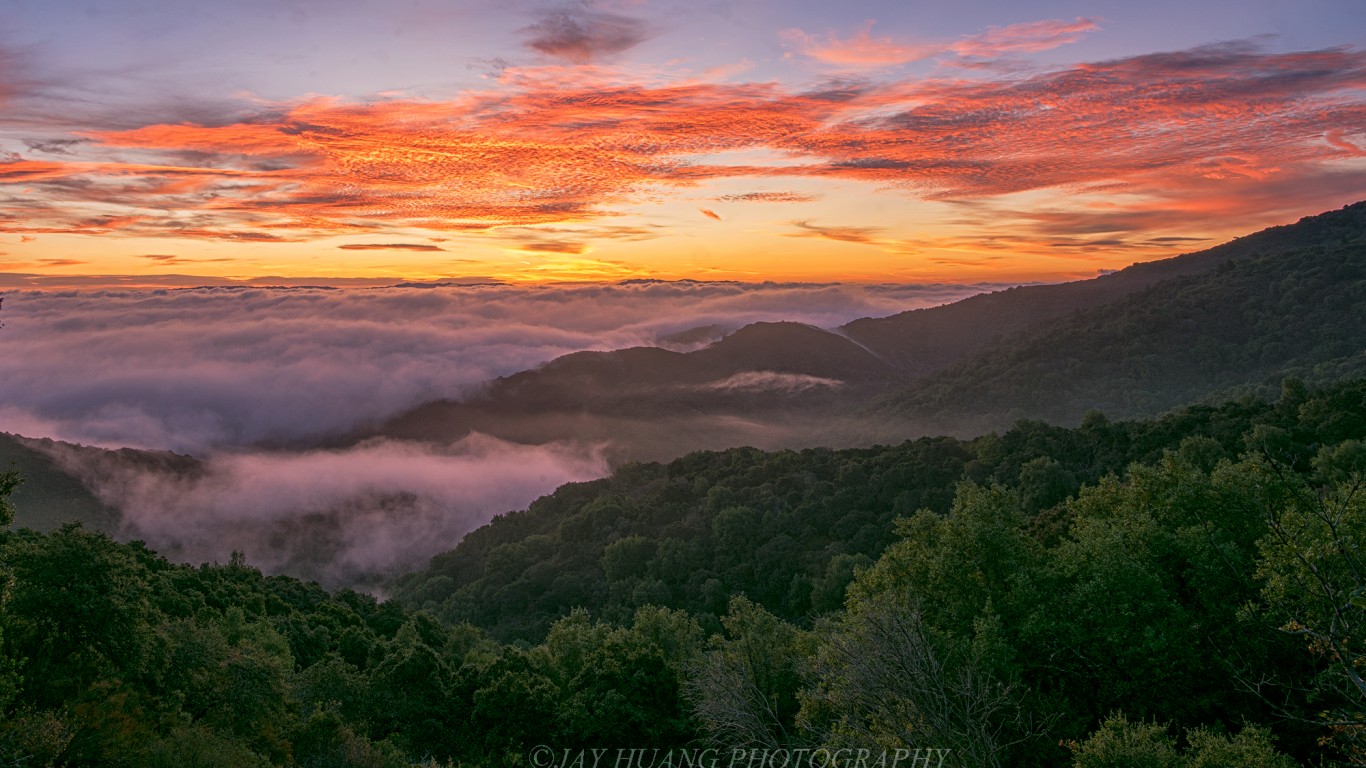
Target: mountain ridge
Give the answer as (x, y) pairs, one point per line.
(795, 371)
(922, 341)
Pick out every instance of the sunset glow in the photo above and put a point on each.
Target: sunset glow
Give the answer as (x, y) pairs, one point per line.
(606, 143)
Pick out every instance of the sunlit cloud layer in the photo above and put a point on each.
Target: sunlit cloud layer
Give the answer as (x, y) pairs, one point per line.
(571, 151)
(864, 49)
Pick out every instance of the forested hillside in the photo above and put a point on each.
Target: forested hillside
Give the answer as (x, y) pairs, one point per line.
(1242, 327)
(1031, 599)
(924, 341)
(788, 529)
(49, 495)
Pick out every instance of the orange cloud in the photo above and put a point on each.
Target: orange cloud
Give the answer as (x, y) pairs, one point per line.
(389, 247)
(710, 213)
(864, 235)
(543, 151)
(768, 197)
(32, 170)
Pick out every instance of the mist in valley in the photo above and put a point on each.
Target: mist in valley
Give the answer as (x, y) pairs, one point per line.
(247, 390)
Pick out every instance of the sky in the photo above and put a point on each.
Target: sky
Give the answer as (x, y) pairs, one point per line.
(359, 142)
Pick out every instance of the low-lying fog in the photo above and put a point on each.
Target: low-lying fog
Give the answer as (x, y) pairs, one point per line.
(223, 373)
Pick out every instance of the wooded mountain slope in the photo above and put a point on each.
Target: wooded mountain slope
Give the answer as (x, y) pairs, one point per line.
(1244, 326)
(991, 599)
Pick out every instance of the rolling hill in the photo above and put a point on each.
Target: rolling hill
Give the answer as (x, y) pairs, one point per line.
(1240, 328)
(1284, 301)
(50, 494)
(923, 341)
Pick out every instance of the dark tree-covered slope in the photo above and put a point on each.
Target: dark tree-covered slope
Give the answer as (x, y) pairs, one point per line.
(1065, 614)
(50, 495)
(925, 340)
(788, 529)
(1247, 324)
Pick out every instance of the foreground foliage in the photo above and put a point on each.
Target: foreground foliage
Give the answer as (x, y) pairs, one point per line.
(1180, 592)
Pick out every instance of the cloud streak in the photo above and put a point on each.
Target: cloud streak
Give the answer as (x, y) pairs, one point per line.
(860, 50)
(768, 197)
(864, 235)
(1029, 37)
(864, 51)
(389, 247)
(772, 381)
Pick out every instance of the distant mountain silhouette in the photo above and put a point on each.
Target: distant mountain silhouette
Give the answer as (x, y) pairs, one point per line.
(954, 368)
(1282, 306)
(922, 341)
(748, 387)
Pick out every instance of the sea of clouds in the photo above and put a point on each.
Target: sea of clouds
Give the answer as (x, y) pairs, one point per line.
(251, 382)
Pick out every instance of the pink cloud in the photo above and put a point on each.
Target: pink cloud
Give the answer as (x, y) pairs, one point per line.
(1029, 37)
(861, 50)
(1337, 138)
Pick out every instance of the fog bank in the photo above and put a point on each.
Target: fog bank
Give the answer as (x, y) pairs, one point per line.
(344, 518)
(212, 368)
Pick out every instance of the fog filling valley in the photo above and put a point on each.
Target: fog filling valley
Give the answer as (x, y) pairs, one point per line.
(230, 375)
(344, 518)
